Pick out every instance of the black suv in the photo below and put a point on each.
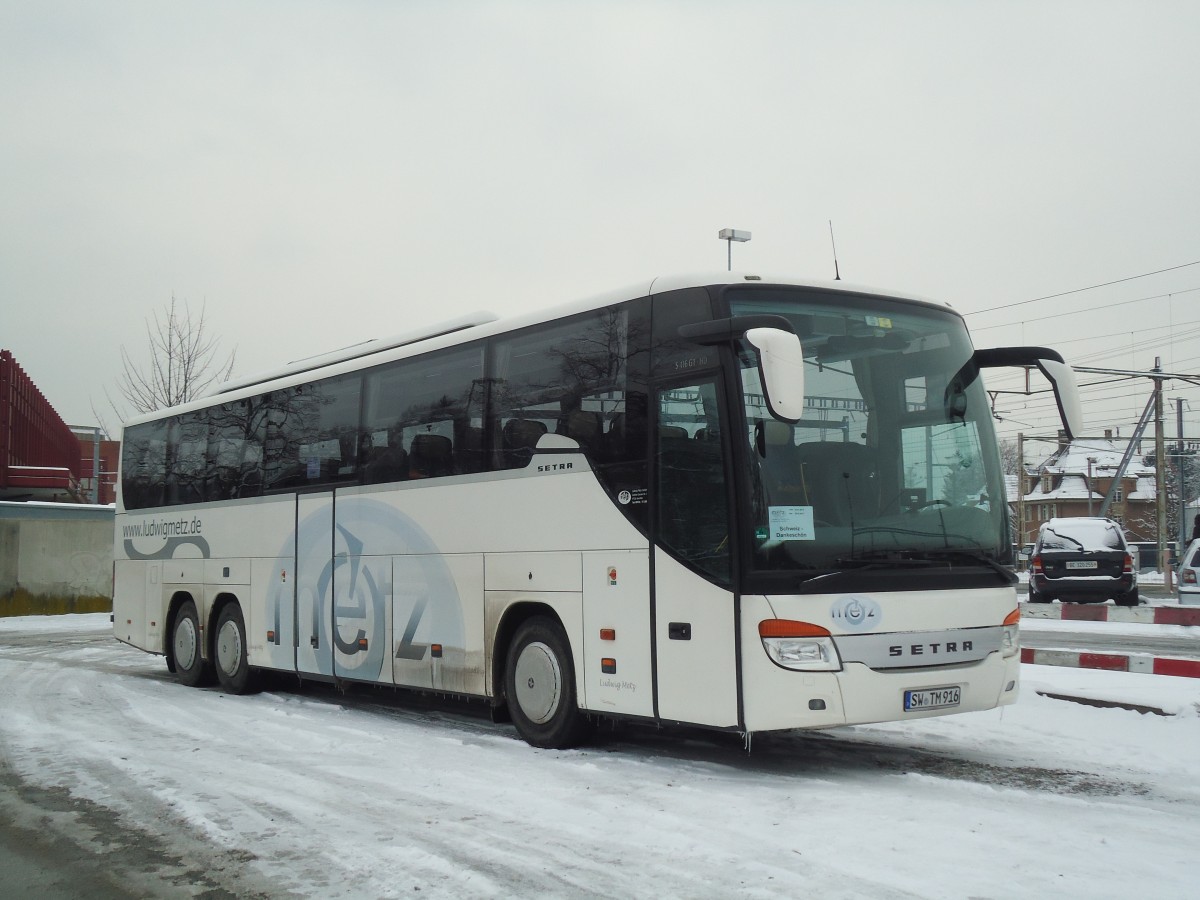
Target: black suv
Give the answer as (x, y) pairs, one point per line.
(1086, 560)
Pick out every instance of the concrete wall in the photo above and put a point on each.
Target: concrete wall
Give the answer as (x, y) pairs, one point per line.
(55, 558)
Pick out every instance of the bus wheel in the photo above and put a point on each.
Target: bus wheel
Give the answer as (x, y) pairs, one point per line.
(185, 646)
(539, 684)
(233, 668)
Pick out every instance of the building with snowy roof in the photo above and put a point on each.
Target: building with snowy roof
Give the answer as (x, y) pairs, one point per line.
(1075, 479)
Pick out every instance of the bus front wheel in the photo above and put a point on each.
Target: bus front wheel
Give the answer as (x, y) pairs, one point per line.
(233, 667)
(539, 684)
(185, 646)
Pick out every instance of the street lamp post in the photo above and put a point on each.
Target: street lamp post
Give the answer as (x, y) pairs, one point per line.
(729, 235)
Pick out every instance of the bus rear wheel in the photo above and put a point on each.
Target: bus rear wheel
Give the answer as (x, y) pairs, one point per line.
(539, 683)
(233, 667)
(190, 667)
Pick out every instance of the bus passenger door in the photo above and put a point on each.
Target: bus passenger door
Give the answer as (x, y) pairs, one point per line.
(695, 635)
(314, 583)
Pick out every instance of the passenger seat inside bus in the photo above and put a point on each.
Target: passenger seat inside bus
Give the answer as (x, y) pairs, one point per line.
(667, 433)
(780, 465)
(518, 438)
(582, 427)
(389, 463)
(430, 456)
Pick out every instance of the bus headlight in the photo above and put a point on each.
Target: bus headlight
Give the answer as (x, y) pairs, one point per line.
(799, 645)
(1010, 641)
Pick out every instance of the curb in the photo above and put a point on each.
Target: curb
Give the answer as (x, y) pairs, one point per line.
(1113, 662)
(1138, 615)
(1106, 704)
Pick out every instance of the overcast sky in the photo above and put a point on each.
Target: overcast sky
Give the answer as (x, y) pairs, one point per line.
(320, 173)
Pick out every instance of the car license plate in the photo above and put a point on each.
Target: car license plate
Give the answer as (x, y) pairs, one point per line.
(933, 698)
(1082, 564)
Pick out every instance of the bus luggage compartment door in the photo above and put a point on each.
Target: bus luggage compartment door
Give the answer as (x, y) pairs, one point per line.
(314, 583)
(616, 634)
(694, 647)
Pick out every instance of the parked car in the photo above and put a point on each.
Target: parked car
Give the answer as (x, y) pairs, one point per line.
(1084, 560)
(1189, 575)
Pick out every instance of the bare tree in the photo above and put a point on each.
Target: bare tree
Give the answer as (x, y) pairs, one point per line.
(184, 361)
(1008, 457)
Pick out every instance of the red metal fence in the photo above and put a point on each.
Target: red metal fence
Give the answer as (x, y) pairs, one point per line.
(36, 446)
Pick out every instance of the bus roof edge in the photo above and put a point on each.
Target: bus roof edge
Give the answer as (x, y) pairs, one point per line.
(364, 348)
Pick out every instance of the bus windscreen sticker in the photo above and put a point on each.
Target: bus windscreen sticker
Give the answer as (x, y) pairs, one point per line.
(792, 523)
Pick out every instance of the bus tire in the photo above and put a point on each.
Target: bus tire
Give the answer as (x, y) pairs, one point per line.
(539, 684)
(230, 651)
(186, 646)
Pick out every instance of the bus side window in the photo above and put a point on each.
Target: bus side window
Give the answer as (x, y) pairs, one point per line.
(313, 436)
(187, 446)
(143, 465)
(431, 409)
(567, 377)
(236, 432)
(288, 415)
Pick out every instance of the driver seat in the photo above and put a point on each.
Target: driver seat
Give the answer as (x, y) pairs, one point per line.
(839, 481)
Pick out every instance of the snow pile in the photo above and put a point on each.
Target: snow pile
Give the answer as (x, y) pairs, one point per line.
(368, 795)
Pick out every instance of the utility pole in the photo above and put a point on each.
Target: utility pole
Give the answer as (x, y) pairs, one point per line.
(1160, 455)
(1181, 545)
(1160, 477)
(1020, 489)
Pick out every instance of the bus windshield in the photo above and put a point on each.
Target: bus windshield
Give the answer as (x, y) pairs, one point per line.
(894, 463)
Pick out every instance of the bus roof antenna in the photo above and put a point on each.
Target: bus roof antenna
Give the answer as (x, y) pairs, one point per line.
(837, 276)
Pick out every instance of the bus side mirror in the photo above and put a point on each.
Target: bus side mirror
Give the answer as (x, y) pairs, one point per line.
(780, 370)
(1066, 393)
(780, 356)
(1060, 375)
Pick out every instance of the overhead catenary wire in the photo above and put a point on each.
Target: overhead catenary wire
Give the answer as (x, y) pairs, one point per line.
(1091, 287)
(1059, 341)
(1075, 312)
(1017, 407)
(1037, 409)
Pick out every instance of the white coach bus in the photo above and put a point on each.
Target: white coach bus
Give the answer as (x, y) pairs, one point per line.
(736, 502)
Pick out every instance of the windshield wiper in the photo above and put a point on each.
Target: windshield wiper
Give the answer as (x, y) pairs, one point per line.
(973, 558)
(887, 559)
(906, 559)
(1074, 541)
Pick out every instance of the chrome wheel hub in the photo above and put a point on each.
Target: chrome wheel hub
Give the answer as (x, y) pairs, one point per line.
(229, 648)
(185, 643)
(538, 682)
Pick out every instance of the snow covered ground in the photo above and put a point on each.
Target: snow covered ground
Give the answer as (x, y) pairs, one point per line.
(316, 794)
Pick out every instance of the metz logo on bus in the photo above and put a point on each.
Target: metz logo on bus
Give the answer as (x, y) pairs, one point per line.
(371, 575)
(857, 613)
